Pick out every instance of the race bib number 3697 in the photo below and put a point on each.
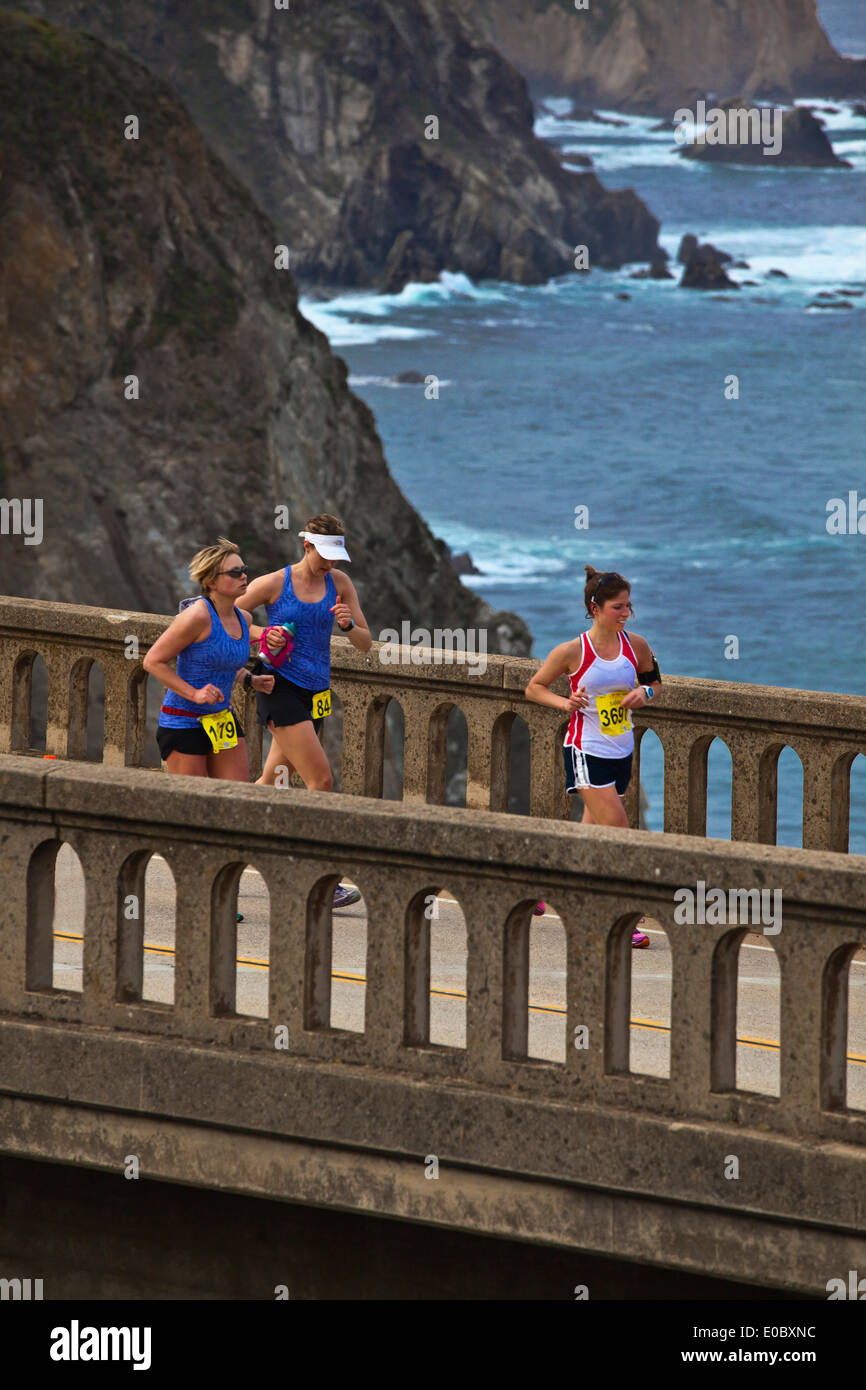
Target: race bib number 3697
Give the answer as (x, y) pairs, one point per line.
(614, 720)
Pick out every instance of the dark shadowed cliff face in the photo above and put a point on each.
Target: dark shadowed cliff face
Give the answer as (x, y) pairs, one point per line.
(322, 110)
(652, 55)
(146, 258)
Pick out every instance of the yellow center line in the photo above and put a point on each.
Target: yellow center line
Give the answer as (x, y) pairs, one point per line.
(651, 1024)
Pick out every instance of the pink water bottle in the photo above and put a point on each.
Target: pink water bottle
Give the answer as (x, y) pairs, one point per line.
(276, 659)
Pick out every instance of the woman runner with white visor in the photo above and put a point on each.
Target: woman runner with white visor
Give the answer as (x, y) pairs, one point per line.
(312, 595)
(609, 674)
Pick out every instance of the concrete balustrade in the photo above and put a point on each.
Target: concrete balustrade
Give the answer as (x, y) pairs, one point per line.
(583, 1152)
(826, 731)
(600, 882)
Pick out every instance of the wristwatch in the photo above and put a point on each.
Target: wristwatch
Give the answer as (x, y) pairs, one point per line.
(248, 680)
(649, 692)
(349, 628)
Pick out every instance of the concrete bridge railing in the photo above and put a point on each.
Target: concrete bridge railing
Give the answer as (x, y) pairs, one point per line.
(827, 731)
(587, 1123)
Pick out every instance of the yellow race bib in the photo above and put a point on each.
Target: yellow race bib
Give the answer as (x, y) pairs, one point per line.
(321, 704)
(613, 719)
(221, 729)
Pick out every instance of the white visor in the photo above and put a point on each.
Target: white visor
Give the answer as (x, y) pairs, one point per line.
(329, 547)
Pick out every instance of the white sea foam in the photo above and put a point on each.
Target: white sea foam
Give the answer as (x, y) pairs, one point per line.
(450, 287)
(633, 127)
(638, 144)
(810, 256)
(844, 120)
(558, 104)
(341, 332)
(391, 383)
(609, 157)
(855, 150)
(337, 317)
(507, 561)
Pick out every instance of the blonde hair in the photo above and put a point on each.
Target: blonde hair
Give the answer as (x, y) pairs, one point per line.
(205, 566)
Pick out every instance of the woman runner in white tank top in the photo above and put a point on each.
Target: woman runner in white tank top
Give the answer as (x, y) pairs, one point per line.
(609, 674)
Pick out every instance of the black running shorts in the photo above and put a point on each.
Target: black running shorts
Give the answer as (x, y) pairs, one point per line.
(586, 770)
(287, 703)
(193, 741)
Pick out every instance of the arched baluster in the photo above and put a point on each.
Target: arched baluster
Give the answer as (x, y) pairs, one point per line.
(17, 726)
(417, 709)
(118, 711)
(826, 766)
(60, 664)
(547, 795)
(384, 893)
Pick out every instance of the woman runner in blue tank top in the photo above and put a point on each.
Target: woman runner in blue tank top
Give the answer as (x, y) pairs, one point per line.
(209, 641)
(312, 595)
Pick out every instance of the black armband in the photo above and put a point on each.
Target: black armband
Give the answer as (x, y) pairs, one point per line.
(652, 675)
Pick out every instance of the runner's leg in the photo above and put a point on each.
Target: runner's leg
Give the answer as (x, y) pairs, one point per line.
(232, 765)
(188, 764)
(604, 806)
(586, 818)
(301, 749)
(274, 760)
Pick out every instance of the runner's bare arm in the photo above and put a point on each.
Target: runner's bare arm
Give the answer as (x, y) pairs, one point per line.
(192, 625)
(636, 698)
(561, 660)
(266, 589)
(346, 607)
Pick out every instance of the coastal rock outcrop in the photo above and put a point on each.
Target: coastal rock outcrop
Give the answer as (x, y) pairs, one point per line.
(652, 56)
(158, 385)
(689, 245)
(657, 271)
(387, 139)
(801, 140)
(704, 269)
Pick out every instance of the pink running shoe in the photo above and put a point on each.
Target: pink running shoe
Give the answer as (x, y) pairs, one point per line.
(639, 939)
(539, 910)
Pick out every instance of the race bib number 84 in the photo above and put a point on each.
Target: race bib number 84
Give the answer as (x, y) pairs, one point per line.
(614, 720)
(321, 704)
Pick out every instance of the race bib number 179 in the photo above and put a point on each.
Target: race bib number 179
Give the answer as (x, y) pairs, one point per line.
(221, 729)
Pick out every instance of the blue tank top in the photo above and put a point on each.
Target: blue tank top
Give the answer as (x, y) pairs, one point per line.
(310, 662)
(215, 660)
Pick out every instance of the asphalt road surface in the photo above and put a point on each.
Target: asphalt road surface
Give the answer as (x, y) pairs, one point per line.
(758, 992)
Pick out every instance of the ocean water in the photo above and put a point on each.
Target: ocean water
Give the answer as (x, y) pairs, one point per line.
(844, 23)
(562, 396)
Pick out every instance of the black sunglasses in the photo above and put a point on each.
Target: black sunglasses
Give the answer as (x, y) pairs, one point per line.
(611, 574)
(237, 572)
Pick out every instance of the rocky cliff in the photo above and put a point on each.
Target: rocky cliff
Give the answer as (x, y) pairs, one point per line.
(387, 140)
(158, 386)
(655, 55)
